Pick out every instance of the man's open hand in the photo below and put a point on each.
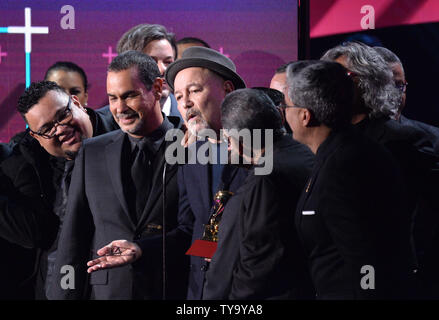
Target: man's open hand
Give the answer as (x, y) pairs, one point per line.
(116, 254)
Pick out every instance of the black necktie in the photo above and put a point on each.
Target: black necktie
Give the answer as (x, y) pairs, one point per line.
(140, 173)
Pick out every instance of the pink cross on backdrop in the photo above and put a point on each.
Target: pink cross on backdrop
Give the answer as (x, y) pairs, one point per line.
(2, 54)
(221, 50)
(110, 55)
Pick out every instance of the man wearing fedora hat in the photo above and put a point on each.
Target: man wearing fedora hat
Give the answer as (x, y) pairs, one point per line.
(200, 80)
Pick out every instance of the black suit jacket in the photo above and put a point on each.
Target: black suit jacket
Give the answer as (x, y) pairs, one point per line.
(413, 151)
(259, 255)
(196, 199)
(431, 132)
(97, 213)
(352, 214)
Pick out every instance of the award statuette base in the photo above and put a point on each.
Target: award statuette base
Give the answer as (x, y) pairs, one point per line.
(202, 248)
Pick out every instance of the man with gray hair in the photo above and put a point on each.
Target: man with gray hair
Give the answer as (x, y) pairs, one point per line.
(353, 201)
(400, 82)
(201, 79)
(259, 255)
(377, 101)
(155, 41)
(377, 96)
(425, 232)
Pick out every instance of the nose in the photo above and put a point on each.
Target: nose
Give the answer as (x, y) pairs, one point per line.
(120, 105)
(61, 128)
(162, 67)
(186, 102)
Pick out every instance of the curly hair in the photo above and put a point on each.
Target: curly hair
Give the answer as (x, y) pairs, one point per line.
(32, 95)
(375, 78)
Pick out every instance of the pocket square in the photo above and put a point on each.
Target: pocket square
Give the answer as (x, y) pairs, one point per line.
(308, 213)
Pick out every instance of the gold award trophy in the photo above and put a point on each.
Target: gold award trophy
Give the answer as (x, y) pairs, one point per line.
(206, 247)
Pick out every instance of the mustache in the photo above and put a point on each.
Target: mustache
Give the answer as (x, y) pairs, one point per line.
(192, 113)
(126, 114)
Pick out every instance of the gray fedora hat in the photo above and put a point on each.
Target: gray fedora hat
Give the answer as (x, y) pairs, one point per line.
(204, 58)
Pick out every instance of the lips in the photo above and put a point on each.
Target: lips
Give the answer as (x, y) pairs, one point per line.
(126, 120)
(192, 114)
(191, 117)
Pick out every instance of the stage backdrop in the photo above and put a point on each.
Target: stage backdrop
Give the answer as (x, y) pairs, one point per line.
(258, 35)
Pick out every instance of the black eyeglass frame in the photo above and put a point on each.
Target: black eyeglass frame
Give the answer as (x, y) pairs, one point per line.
(67, 113)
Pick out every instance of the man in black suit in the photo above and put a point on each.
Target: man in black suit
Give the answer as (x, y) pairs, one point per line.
(259, 255)
(116, 188)
(395, 64)
(352, 217)
(200, 79)
(40, 168)
(378, 100)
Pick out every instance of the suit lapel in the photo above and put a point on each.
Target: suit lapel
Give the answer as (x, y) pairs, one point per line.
(114, 153)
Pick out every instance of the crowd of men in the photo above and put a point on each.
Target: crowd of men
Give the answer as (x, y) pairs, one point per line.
(91, 208)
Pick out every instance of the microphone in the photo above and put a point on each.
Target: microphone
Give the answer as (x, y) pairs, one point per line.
(164, 232)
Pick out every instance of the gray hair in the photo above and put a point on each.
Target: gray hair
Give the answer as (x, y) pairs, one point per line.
(388, 56)
(250, 109)
(375, 77)
(325, 89)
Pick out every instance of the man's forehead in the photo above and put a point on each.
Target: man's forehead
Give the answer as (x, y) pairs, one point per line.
(279, 81)
(192, 75)
(53, 100)
(127, 77)
(47, 106)
(126, 73)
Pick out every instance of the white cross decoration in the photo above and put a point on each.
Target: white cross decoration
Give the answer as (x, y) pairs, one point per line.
(27, 30)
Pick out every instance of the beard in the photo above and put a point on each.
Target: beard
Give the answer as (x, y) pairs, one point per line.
(197, 126)
(130, 114)
(71, 154)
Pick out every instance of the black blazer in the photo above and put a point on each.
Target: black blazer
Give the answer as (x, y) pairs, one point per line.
(352, 214)
(259, 255)
(413, 151)
(196, 199)
(97, 213)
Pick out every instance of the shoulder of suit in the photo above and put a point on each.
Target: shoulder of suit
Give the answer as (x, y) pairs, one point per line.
(103, 139)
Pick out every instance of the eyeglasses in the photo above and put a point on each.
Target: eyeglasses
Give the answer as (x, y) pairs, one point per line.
(402, 86)
(48, 131)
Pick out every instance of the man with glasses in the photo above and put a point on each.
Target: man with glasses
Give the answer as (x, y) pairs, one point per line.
(377, 102)
(352, 217)
(41, 164)
(401, 83)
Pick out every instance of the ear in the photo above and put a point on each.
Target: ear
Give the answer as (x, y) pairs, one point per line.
(157, 87)
(76, 102)
(35, 136)
(306, 117)
(228, 86)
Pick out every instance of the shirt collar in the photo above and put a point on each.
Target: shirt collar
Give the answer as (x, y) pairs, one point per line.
(155, 138)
